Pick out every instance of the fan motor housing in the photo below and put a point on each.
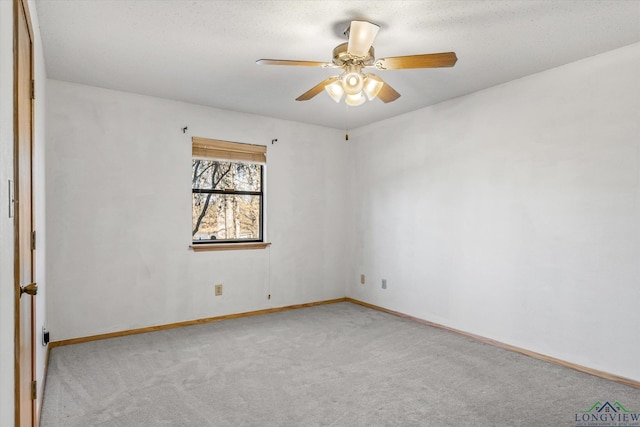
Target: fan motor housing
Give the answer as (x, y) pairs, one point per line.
(341, 57)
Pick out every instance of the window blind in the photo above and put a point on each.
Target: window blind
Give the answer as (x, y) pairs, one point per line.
(226, 150)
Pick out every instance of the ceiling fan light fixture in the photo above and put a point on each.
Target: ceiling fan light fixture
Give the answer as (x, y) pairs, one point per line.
(352, 80)
(354, 56)
(335, 90)
(372, 86)
(355, 100)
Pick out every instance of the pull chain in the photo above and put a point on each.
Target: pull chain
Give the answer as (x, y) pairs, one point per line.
(346, 115)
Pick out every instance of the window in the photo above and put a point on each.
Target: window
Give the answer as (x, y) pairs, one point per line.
(227, 181)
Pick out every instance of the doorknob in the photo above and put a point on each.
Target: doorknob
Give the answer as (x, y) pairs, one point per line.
(31, 289)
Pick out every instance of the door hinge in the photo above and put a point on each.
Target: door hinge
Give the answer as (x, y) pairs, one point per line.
(33, 240)
(34, 390)
(33, 89)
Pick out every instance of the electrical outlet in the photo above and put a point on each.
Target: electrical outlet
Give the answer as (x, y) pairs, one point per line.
(362, 279)
(384, 283)
(218, 290)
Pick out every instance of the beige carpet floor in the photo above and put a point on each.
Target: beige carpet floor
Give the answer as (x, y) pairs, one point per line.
(331, 365)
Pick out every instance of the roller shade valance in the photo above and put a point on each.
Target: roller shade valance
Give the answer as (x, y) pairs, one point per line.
(227, 150)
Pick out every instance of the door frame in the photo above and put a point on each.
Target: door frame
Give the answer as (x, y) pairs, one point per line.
(21, 11)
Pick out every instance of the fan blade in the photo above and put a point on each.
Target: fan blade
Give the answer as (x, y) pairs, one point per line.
(361, 36)
(294, 62)
(387, 93)
(316, 89)
(428, 60)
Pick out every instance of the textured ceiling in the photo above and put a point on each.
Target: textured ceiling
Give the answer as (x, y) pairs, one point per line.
(204, 52)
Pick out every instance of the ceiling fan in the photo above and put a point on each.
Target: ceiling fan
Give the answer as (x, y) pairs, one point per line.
(356, 55)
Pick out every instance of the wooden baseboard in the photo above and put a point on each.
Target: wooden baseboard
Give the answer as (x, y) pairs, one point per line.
(189, 323)
(580, 368)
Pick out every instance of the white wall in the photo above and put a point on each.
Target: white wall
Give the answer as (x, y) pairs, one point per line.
(119, 215)
(512, 213)
(7, 311)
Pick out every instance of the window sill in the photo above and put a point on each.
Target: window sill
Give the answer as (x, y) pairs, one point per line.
(228, 246)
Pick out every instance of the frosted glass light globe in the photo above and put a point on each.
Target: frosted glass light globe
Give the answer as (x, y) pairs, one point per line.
(355, 100)
(352, 81)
